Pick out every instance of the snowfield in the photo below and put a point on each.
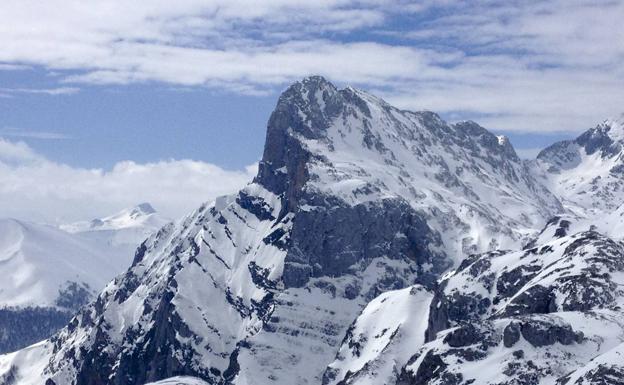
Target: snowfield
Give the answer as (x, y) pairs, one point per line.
(50, 273)
(41, 261)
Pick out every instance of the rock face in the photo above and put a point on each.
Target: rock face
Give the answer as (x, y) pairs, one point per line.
(325, 269)
(328, 241)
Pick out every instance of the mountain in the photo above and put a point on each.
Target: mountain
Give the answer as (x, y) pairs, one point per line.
(468, 183)
(587, 173)
(141, 215)
(548, 314)
(48, 274)
(332, 266)
(121, 233)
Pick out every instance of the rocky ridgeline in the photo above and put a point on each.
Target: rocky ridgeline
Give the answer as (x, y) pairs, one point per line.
(549, 313)
(328, 268)
(586, 173)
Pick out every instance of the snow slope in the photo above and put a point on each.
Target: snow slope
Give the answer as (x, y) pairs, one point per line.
(40, 263)
(548, 314)
(538, 315)
(48, 275)
(379, 343)
(607, 367)
(534, 349)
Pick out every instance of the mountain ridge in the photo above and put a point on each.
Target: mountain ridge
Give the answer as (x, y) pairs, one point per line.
(355, 203)
(587, 172)
(143, 214)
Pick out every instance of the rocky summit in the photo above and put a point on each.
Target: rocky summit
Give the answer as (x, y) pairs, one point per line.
(374, 246)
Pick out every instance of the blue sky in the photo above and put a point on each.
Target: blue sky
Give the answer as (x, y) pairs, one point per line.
(86, 87)
(98, 126)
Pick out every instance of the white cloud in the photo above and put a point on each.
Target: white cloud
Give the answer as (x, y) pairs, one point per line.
(35, 188)
(17, 154)
(12, 67)
(15, 132)
(45, 91)
(538, 67)
(530, 66)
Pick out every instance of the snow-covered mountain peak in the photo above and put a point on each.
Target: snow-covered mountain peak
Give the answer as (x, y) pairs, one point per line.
(143, 208)
(496, 145)
(356, 148)
(505, 143)
(309, 97)
(121, 233)
(619, 121)
(614, 129)
(606, 138)
(586, 173)
(141, 215)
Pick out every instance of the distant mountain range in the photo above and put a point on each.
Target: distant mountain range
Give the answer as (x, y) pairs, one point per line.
(140, 216)
(374, 246)
(121, 233)
(50, 273)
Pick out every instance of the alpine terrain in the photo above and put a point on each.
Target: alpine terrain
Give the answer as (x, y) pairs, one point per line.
(120, 234)
(47, 276)
(374, 246)
(50, 273)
